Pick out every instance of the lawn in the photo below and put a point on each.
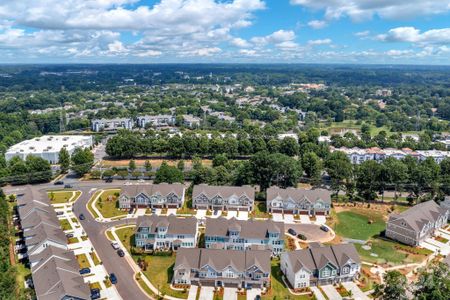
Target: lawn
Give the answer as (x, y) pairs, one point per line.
(355, 225)
(65, 225)
(63, 196)
(391, 252)
(95, 285)
(278, 289)
(83, 261)
(160, 272)
(95, 258)
(126, 236)
(108, 204)
(73, 240)
(260, 210)
(187, 208)
(91, 210)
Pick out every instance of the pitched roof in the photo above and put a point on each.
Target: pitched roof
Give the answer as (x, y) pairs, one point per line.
(298, 194)
(419, 215)
(44, 232)
(37, 217)
(224, 191)
(175, 225)
(163, 189)
(50, 252)
(248, 229)
(219, 259)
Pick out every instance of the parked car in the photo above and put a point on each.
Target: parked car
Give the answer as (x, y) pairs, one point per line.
(258, 297)
(81, 217)
(301, 236)
(215, 212)
(59, 213)
(59, 182)
(113, 278)
(68, 186)
(95, 294)
(324, 228)
(153, 210)
(69, 235)
(108, 180)
(121, 253)
(85, 271)
(115, 246)
(292, 232)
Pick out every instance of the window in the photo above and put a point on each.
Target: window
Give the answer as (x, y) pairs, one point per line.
(326, 273)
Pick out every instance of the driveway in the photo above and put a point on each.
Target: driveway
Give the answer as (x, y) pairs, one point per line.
(171, 211)
(277, 217)
(243, 215)
(232, 214)
(356, 291)
(252, 293)
(429, 246)
(192, 292)
(304, 219)
(331, 292)
(230, 293)
(444, 234)
(206, 293)
(443, 248)
(312, 232)
(158, 211)
(201, 214)
(288, 218)
(317, 293)
(320, 220)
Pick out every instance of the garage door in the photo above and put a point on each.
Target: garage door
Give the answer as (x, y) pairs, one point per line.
(172, 206)
(320, 213)
(208, 282)
(303, 212)
(289, 211)
(277, 210)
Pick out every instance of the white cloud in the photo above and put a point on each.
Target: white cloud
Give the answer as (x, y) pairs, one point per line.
(319, 42)
(148, 53)
(362, 34)
(402, 53)
(248, 52)
(238, 42)
(317, 24)
(361, 10)
(202, 52)
(276, 37)
(413, 35)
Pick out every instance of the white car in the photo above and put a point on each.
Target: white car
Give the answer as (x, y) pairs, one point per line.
(115, 246)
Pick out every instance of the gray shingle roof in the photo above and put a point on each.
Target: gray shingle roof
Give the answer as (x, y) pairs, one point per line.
(248, 229)
(162, 189)
(298, 194)
(175, 225)
(224, 191)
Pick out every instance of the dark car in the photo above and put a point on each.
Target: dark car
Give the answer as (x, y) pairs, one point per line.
(108, 180)
(69, 235)
(215, 212)
(113, 278)
(324, 228)
(68, 186)
(301, 236)
(59, 213)
(85, 271)
(82, 217)
(258, 297)
(121, 253)
(59, 182)
(95, 294)
(292, 232)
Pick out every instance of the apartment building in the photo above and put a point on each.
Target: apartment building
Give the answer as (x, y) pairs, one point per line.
(155, 121)
(223, 268)
(161, 195)
(298, 201)
(222, 233)
(165, 233)
(320, 265)
(417, 223)
(237, 198)
(112, 124)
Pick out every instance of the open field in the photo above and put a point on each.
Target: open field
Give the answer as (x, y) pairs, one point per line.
(156, 163)
(63, 196)
(108, 204)
(356, 225)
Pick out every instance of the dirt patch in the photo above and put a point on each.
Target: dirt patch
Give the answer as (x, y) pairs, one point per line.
(156, 163)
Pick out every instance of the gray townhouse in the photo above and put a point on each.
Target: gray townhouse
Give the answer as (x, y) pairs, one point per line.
(446, 205)
(54, 269)
(222, 268)
(165, 232)
(416, 224)
(298, 201)
(237, 198)
(161, 195)
(222, 233)
(321, 265)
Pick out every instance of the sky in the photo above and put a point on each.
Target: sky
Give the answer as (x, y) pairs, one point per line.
(225, 31)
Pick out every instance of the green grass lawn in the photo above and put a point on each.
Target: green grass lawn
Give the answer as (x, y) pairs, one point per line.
(354, 224)
(63, 196)
(108, 207)
(126, 236)
(260, 210)
(95, 258)
(160, 272)
(89, 206)
(278, 289)
(83, 261)
(65, 225)
(391, 252)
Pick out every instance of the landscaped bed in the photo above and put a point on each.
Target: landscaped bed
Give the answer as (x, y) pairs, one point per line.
(95, 258)
(83, 261)
(65, 225)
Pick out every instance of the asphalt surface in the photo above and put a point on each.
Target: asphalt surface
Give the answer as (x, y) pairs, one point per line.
(126, 286)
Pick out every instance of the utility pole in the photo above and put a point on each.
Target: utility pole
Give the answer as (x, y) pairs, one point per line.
(61, 115)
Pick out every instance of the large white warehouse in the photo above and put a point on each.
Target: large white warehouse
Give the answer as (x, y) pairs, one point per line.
(48, 146)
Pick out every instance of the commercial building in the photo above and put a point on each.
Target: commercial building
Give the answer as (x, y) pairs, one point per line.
(167, 233)
(298, 201)
(161, 195)
(321, 265)
(112, 124)
(48, 146)
(222, 268)
(222, 233)
(237, 198)
(417, 223)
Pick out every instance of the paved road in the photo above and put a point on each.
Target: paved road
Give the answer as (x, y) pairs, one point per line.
(126, 286)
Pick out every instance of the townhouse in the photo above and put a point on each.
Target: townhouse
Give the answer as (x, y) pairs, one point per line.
(191, 121)
(237, 198)
(164, 233)
(298, 201)
(222, 233)
(112, 124)
(446, 204)
(162, 195)
(222, 268)
(155, 121)
(320, 265)
(54, 269)
(417, 223)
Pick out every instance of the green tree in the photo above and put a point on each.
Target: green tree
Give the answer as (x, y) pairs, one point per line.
(82, 161)
(39, 169)
(393, 288)
(220, 160)
(289, 146)
(64, 160)
(132, 165)
(169, 174)
(180, 165)
(313, 167)
(367, 176)
(433, 283)
(148, 166)
(340, 170)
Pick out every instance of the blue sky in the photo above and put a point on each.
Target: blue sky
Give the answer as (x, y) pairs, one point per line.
(285, 31)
